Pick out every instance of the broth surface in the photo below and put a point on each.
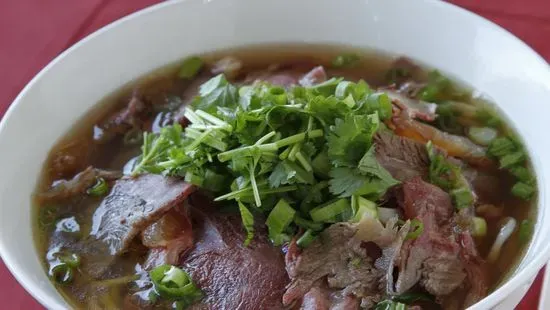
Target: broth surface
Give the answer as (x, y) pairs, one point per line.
(165, 89)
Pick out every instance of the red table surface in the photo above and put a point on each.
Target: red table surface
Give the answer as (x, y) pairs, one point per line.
(33, 32)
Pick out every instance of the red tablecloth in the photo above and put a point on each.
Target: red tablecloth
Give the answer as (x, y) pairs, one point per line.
(33, 32)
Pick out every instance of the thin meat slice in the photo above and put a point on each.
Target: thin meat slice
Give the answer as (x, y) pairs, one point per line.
(168, 238)
(297, 74)
(120, 122)
(476, 270)
(433, 258)
(315, 76)
(64, 189)
(337, 257)
(413, 107)
(402, 157)
(443, 259)
(231, 275)
(132, 205)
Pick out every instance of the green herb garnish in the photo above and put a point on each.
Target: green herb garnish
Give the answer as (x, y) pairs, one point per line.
(304, 147)
(190, 67)
(99, 189)
(173, 283)
(449, 177)
(345, 60)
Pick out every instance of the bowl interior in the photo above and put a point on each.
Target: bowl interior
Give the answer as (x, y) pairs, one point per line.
(455, 41)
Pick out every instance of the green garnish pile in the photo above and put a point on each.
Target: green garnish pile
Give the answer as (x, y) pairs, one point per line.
(295, 155)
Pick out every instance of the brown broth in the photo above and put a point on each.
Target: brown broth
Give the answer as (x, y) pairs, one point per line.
(114, 155)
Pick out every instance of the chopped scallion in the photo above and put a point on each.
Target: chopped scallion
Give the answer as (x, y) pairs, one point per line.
(306, 239)
(190, 67)
(328, 213)
(523, 190)
(417, 227)
(99, 189)
(479, 227)
(279, 219)
(525, 231)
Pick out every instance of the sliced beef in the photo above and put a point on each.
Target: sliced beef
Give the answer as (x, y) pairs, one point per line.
(229, 66)
(120, 122)
(288, 76)
(439, 259)
(64, 189)
(315, 76)
(338, 258)
(132, 205)
(402, 157)
(231, 275)
(476, 270)
(433, 257)
(413, 107)
(168, 238)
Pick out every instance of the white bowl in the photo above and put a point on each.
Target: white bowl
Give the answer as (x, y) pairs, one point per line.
(433, 32)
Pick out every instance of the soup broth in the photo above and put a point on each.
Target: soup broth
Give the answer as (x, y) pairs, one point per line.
(90, 274)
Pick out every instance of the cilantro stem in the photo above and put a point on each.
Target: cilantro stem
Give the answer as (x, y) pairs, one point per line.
(285, 153)
(265, 138)
(192, 116)
(150, 154)
(214, 120)
(299, 137)
(257, 199)
(199, 140)
(303, 161)
(237, 193)
(291, 140)
(295, 149)
(242, 151)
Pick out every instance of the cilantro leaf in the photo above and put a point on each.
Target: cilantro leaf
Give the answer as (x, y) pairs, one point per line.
(346, 181)
(351, 138)
(370, 165)
(216, 92)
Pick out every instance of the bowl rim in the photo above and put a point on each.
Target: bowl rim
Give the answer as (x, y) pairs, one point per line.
(511, 284)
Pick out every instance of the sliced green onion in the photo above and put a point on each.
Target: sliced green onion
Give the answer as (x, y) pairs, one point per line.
(462, 197)
(321, 164)
(501, 146)
(279, 219)
(523, 190)
(345, 60)
(173, 283)
(61, 273)
(525, 231)
(248, 222)
(307, 224)
(522, 174)
(278, 95)
(99, 189)
(343, 89)
(512, 159)
(482, 135)
(193, 179)
(417, 227)
(328, 212)
(363, 208)
(306, 239)
(190, 67)
(479, 227)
